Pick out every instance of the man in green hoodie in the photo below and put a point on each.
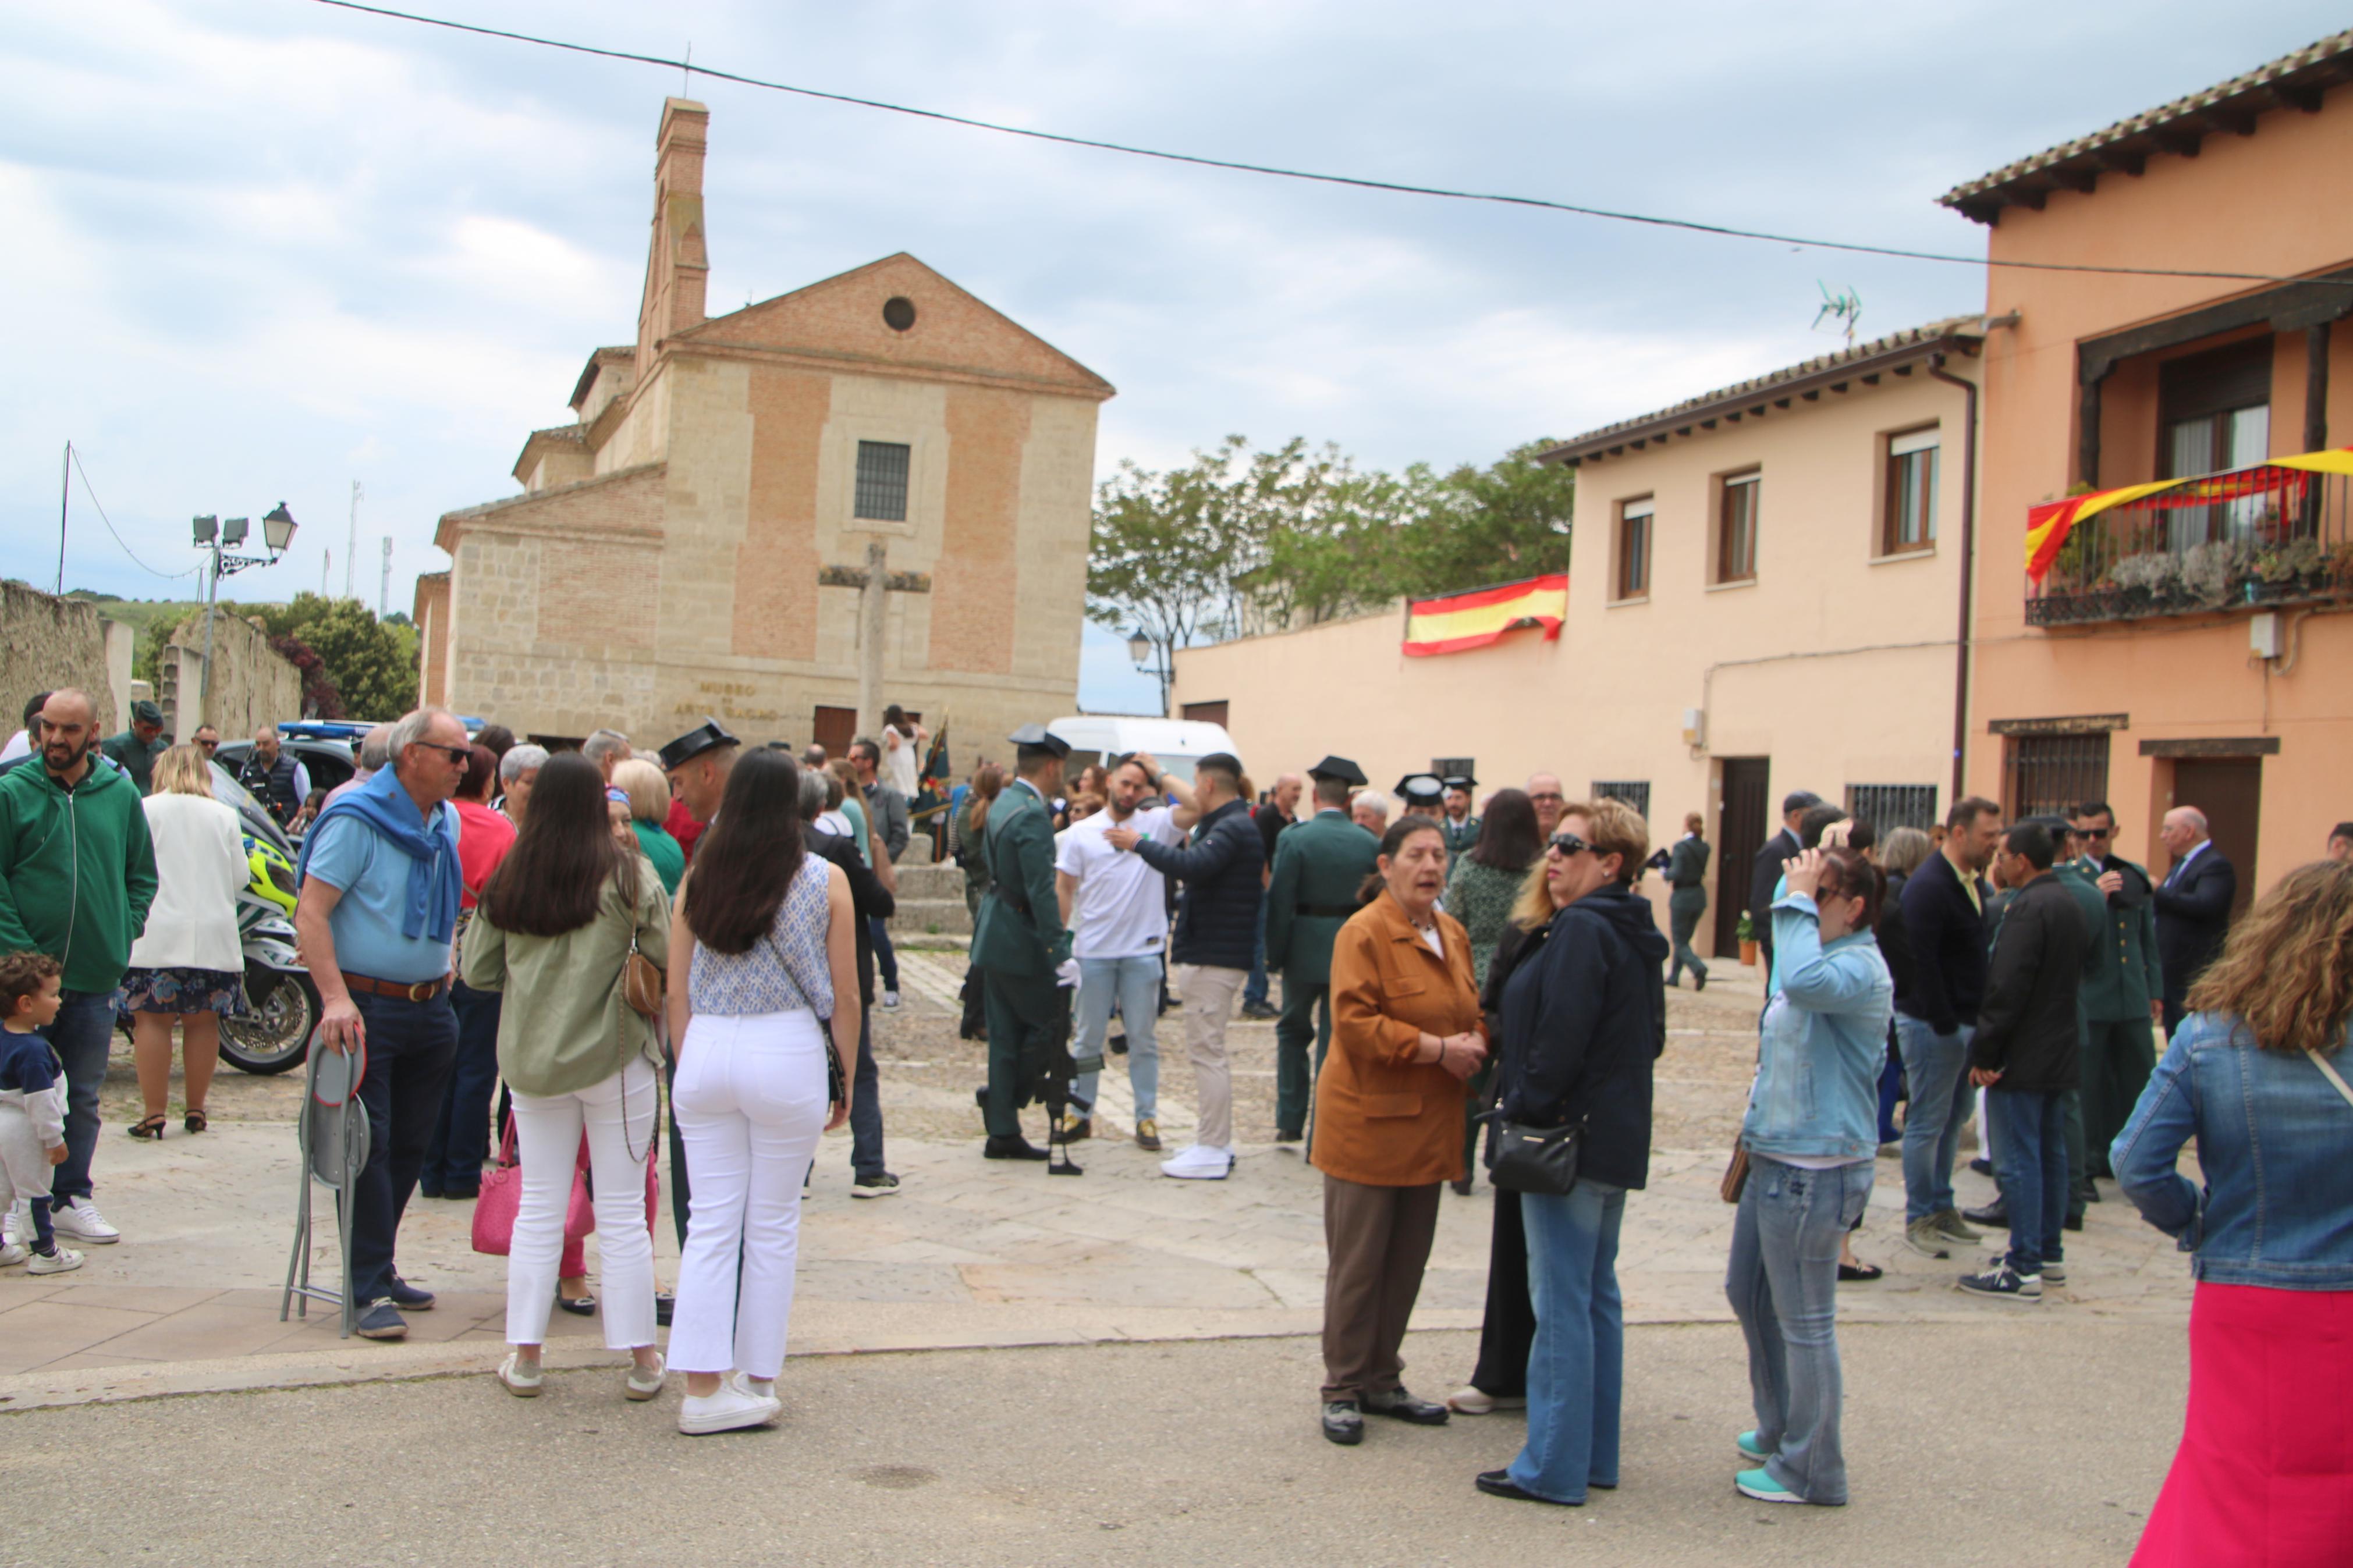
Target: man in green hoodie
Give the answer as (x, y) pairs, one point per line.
(76, 874)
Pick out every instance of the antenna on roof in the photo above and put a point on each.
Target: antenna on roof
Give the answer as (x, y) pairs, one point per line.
(1844, 310)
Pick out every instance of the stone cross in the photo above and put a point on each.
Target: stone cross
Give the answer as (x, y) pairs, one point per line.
(873, 581)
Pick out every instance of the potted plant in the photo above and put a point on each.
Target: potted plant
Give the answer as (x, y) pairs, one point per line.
(1746, 934)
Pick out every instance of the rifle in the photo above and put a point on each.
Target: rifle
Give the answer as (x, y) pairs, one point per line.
(1049, 1072)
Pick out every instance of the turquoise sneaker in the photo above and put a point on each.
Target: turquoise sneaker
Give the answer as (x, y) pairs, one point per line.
(1761, 1486)
(1753, 1451)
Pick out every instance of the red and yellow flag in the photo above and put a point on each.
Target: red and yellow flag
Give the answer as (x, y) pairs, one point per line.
(2048, 525)
(1454, 622)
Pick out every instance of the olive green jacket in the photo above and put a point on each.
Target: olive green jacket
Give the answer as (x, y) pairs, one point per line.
(1021, 933)
(2127, 974)
(1319, 864)
(564, 1024)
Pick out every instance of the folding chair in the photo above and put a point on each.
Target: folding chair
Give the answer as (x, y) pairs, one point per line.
(334, 1134)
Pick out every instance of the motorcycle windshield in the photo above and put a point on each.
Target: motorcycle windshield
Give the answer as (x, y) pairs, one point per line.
(254, 818)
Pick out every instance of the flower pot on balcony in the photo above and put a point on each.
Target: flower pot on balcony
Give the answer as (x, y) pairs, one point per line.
(1748, 954)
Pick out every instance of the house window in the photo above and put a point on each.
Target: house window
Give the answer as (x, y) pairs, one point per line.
(1205, 712)
(1910, 520)
(1735, 529)
(881, 481)
(2215, 413)
(1454, 767)
(2049, 774)
(1890, 806)
(1635, 793)
(1634, 548)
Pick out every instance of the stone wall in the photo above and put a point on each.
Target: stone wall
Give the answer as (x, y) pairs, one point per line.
(252, 684)
(47, 642)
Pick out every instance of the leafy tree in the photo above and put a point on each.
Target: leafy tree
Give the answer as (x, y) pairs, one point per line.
(1160, 562)
(371, 665)
(319, 698)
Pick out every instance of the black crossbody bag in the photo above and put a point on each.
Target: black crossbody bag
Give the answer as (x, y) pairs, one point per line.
(1528, 1159)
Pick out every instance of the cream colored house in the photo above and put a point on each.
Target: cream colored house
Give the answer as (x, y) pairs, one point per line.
(1763, 596)
(693, 542)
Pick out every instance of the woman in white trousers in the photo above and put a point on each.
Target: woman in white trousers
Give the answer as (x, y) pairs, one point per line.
(763, 929)
(555, 931)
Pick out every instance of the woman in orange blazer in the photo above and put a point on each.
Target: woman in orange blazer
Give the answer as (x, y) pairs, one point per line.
(1406, 1032)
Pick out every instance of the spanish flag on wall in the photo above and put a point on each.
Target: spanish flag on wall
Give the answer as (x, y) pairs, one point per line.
(2048, 525)
(1454, 622)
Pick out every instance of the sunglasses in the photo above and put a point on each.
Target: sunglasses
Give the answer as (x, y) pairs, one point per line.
(2094, 832)
(1568, 846)
(209, 745)
(459, 756)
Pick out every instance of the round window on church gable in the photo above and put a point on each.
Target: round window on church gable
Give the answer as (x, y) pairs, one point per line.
(898, 313)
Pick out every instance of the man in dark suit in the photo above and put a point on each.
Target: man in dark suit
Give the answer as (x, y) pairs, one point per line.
(1318, 866)
(1019, 941)
(1766, 874)
(2193, 906)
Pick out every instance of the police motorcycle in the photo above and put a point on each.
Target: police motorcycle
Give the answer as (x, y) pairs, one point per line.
(282, 1004)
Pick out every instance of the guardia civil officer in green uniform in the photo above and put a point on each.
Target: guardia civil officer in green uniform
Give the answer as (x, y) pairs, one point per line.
(2072, 874)
(1019, 942)
(1459, 825)
(1319, 865)
(136, 749)
(2124, 992)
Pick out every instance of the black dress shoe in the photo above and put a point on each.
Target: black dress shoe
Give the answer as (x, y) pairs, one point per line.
(1499, 1483)
(1404, 1406)
(1995, 1215)
(665, 1304)
(1981, 1165)
(2072, 1222)
(1017, 1147)
(1343, 1423)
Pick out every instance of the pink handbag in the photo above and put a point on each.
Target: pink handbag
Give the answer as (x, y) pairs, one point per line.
(502, 1195)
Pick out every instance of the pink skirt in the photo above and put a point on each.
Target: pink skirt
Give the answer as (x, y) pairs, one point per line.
(2264, 1473)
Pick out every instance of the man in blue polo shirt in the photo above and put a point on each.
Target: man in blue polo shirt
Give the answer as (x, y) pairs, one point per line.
(378, 906)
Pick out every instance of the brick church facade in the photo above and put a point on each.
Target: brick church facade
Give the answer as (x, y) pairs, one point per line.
(664, 559)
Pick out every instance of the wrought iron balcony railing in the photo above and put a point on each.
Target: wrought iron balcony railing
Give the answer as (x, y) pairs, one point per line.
(2249, 539)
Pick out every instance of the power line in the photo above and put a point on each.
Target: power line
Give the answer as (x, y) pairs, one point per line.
(93, 494)
(1396, 187)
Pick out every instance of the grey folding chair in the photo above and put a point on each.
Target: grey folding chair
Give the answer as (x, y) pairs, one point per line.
(334, 1134)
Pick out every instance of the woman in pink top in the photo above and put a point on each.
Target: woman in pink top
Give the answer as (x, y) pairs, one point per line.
(461, 1138)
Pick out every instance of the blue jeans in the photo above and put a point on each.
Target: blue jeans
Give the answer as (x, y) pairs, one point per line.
(461, 1134)
(1935, 1070)
(1891, 1090)
(1783, 1285)
(410, 1046)
(1134, 983)
(886, 959)
(865, 1103)
(2030, 1156)
(1254, 989)
(1577, 1367)
(81, 1034)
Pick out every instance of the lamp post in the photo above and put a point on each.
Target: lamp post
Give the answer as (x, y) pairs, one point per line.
(1148, 658)
(212, 533)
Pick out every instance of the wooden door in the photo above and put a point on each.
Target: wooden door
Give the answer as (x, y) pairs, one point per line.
(1740, 832)
(2230, 791)
(836, 728)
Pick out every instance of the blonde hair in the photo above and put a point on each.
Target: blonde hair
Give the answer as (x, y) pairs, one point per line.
(184, 770)
(1906, 850)
(2286, 969)
(1533, 907)
(1618, 829)
(647, 790)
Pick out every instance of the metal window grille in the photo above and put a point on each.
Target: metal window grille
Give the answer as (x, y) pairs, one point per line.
(1635, 793)
(2045, 774)
(881, 481)
(1889, 806)
(1454, 767)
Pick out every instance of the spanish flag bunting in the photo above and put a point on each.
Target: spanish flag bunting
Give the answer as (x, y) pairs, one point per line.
(2048, 525)
(1454, 622)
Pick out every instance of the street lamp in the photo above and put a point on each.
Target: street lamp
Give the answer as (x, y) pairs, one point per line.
(211, 534)
(1139, 649)
(1146, 655)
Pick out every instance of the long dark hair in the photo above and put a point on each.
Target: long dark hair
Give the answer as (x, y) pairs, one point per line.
(1509, 839)
(554, 879)
(749, 858)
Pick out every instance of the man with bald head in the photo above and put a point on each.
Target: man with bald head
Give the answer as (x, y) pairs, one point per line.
(2193, 906)
(276, 776)
(77, 876)
(1545, 794)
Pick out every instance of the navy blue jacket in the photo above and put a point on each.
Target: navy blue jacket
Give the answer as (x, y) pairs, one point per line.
(1216, 913)
(1584, 1018)
(1946, 937)
(2193, 915)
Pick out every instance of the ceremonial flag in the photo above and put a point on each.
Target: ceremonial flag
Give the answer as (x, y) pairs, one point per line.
(2048, 525)
(1454, 622)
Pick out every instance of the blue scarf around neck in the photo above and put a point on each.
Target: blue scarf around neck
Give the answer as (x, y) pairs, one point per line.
(386, 807)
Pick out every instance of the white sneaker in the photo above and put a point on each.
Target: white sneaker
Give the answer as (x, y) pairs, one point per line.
(79, 1219)
(1200, 1162)
(15, 1223)
(13, 1253)
(645, 1382)
(64, 1260)
(728, 1410)
(756, 1387)
(889, 1001)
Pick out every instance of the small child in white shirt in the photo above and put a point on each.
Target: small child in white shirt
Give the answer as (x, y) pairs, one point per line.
(32, 1111)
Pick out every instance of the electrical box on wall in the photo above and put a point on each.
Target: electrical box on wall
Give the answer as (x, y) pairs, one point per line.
(2265, 636)
(1694, 727)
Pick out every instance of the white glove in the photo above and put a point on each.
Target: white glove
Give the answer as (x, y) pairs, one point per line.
(1067, 971)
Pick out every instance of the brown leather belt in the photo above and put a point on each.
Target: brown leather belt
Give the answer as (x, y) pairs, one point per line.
(422, 991)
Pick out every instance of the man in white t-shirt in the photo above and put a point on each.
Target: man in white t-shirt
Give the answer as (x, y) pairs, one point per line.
(1116, 908)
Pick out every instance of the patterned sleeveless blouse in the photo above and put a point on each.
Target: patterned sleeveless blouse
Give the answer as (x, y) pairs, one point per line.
(786, 970)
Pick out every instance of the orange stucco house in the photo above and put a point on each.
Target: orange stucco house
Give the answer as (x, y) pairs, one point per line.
(2175, 653)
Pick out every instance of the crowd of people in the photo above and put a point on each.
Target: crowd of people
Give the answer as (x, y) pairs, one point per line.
(1460, 987)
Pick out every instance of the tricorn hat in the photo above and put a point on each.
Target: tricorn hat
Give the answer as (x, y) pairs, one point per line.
(1037, 738)
(1341, 770)
(707, 736)
(1420, 789)
(1460, 781)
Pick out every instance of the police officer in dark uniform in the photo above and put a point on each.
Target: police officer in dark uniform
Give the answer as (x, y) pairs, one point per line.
(1460, 832)
(1320, 862)
(1019, 941)
(2124, 993)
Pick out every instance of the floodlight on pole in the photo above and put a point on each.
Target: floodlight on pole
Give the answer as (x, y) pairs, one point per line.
(207, 530)
(213, 533)
(234, 529)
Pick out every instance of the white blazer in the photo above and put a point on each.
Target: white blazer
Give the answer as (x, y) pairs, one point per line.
(200, 868)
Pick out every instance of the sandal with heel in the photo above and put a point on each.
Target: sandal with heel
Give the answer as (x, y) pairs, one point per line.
(195, 1120)
(150, 1128)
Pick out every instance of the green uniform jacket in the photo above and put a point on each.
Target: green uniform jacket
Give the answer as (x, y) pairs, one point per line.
(1687, 869)
(135, 756)
(1020, 932)
(77, 871)
(1459, 835)
(2125, 974)
(1319, 864)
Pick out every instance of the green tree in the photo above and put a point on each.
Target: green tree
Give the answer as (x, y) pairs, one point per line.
(372, 665)
(1493, 525)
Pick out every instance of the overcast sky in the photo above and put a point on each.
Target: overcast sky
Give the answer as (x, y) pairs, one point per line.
(256, 250)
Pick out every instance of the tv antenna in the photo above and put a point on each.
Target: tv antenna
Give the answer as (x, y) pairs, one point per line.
(1843, 309)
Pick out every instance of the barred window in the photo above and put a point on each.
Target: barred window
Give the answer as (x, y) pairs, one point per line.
(881, 481)
(1890, 806)
(1635, 793)
(2047, 773)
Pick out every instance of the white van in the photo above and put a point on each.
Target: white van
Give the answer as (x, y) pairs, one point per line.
(1178, 743)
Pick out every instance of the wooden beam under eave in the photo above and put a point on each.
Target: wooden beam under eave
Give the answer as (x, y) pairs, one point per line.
(1815, 395)
(1758, 411)
(1870, 380)
(1903, 370)
(2118, 162)
(2182, 141)
(1682, 429)
(2290, 96)
(1780, 402)
(1709, 424)
(1734, 417)
(2241, 121)
(2082, 180)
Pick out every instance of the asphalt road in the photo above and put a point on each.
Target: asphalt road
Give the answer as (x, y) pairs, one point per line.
(2038, 1437)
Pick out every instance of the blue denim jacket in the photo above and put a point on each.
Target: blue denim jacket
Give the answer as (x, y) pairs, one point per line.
(1824, 1042)
(2275, 1146)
